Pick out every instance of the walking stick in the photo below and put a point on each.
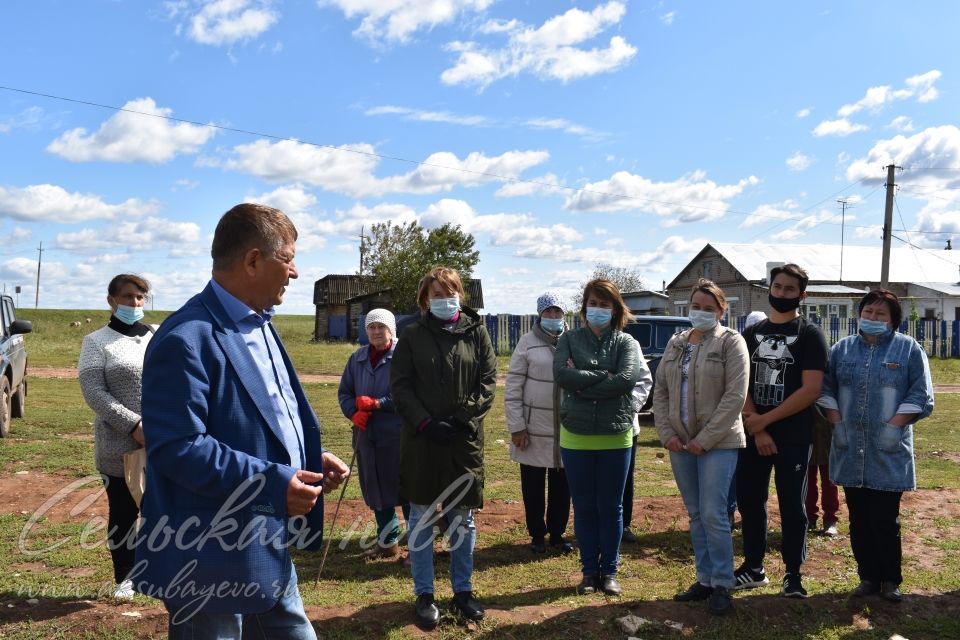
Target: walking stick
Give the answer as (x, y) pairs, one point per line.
(333, 522)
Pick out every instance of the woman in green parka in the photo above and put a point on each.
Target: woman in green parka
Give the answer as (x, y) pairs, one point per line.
(443, 381)
(597, 366)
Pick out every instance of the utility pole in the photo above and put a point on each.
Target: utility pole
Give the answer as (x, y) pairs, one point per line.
(363, 250)
(887, 227)
(36, 299)
(844, 203)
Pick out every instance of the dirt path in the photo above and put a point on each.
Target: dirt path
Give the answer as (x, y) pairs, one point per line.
(26, 492)
(315, 378)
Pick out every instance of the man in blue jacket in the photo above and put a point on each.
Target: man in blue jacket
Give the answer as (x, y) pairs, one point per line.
(235, 470)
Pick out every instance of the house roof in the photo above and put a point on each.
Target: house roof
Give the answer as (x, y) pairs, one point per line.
(942, 287)
(860, 263)
(833, 288)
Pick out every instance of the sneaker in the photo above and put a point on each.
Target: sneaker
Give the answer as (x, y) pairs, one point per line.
(747, 578)
(696, 591)
(124, 591)
(720, 602)
(793, 586)
(830, 530)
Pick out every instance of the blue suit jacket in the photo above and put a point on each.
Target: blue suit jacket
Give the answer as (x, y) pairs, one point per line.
(217, 469)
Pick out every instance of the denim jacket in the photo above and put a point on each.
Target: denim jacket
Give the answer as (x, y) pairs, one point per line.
(868, 385)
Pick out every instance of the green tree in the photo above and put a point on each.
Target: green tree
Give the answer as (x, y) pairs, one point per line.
(627, 279)
(397, 256)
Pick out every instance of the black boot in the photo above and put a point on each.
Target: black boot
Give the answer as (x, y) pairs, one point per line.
(610, 586)
(467, 606)
(427, 613)
(588, 584)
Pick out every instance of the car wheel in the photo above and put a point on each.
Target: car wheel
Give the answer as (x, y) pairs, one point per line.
(18, 404)
(5, 406)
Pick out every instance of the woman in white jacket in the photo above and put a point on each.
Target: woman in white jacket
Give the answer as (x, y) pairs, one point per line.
(532, 402)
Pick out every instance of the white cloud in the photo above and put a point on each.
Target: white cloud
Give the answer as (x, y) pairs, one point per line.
(225, 22)
(668, 18)
(766, 213)
(135, 235)
(798, 162)
(875, 99)
(430, 116)
(29, 118)
(561, 124)
(600, 231)
(503, 228)
(395, 21)
(549, 51)
(667, 251)
(17, 234)
(542, 185)
(803, 113)
(929, 158)
(55, 204)
(349, 169)
(805, 224)
(840, 127)
(903, 124)
(689, 198)
(130, 137)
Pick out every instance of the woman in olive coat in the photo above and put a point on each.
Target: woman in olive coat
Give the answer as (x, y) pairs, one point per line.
(443, 381)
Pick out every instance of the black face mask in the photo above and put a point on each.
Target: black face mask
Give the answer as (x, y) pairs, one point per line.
(783, 305)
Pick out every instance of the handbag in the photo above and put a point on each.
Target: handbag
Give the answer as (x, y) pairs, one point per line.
(135, 472)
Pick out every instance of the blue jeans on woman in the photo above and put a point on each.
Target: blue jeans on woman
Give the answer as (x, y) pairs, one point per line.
(462, 536)
(704, 483)
(596, 480)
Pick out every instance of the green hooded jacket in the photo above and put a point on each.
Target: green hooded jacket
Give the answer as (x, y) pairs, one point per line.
(438, 373)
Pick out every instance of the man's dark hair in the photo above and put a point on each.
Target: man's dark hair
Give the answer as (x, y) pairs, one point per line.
(891, 300)
(792, 270)
(249, 226)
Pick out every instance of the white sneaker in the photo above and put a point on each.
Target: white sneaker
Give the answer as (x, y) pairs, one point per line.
(831, 530)
(124, 591)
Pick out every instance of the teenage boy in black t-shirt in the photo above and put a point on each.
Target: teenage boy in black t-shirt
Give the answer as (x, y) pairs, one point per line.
(788, 356)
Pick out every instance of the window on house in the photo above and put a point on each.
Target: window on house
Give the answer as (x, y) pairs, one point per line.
(708, 269)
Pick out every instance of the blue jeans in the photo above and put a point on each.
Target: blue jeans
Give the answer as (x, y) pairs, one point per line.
(596, 480)
(462, 535)
(704, 483)
(286, 620)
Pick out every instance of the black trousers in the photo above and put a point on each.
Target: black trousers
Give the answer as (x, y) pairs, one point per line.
(628, 488)
(532, 480)
(789, 465)
(875, 533)
(121, 520)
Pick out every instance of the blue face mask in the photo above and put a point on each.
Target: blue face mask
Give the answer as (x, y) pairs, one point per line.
(554, 325)
(128, 315)
(874, 327)
(445, 308)
(702, 320)
(598, 316)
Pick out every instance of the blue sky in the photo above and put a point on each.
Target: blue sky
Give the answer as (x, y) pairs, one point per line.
(561, 134)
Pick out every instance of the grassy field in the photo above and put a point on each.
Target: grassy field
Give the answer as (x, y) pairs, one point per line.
(374, 599)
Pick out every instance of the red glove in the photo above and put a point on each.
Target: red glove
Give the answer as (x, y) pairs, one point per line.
(366, 403)
(359, 420)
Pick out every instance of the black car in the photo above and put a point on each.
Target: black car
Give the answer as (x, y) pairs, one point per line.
(13, 364)
(653, 333)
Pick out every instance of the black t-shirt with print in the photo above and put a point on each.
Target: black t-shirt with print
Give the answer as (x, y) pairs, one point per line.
(779, 353)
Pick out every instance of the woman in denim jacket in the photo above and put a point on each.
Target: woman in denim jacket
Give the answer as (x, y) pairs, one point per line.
(878, 385)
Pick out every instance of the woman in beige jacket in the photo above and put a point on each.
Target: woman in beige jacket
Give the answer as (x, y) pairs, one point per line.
(700, 391)
(532, 402)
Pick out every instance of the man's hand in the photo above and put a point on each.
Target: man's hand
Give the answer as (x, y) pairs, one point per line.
(674, 444)
(765, 444)
(137, 434)
(694, 447)
(520, 439)
(335, 472)
(833, 416)
(301, 496)
(754, 423)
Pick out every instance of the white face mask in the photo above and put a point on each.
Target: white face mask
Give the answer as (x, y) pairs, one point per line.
(702, 320)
